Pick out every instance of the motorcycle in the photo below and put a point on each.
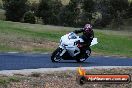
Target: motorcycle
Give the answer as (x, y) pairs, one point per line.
(69, 49)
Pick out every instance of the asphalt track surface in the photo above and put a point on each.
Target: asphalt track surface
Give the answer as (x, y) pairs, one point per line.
(35, 61)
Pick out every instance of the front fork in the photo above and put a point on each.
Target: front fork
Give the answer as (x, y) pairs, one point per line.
(63, 50)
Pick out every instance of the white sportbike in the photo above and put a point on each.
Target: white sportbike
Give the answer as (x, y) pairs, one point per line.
(69, 49)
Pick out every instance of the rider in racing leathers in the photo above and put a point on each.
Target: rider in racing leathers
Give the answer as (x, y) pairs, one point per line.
(87, 36)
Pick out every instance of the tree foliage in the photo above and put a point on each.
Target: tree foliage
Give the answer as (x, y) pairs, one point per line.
(76, 13)
(69, 13)
(15, 9)
(29, 17)
(88, 10)
(48, 10)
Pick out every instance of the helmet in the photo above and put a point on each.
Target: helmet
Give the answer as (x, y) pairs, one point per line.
(87, 29)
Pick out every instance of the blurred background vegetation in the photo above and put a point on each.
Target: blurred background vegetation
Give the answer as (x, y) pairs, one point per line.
(114, 14)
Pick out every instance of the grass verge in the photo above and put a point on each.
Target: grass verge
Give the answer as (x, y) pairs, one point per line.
(5, 81)
(25, 37)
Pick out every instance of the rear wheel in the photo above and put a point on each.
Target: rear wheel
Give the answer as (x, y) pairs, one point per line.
(88, 53)
(55, 57)
(81, 60)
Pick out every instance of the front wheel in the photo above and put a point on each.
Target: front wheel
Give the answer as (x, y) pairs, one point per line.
(55, 57)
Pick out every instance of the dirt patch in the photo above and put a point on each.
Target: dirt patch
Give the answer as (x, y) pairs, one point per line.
(67, 79)
(28, 44)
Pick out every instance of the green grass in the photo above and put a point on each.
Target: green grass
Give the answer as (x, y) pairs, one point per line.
(4, 81)
(110, 42)
(4, 48)
(114, 44)
(26, 32)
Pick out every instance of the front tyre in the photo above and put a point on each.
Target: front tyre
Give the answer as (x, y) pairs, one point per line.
(55, 57)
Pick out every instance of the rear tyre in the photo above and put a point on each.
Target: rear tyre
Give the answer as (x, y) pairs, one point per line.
(88, 53)
(55, 57)
(81, 60)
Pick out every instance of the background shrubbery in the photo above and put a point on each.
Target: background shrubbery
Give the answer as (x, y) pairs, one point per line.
(49, 10)
(29, 17)
(78, 12)
(15, 9)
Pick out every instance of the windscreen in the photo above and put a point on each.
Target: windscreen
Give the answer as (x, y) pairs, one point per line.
(72, 36)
